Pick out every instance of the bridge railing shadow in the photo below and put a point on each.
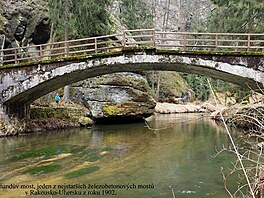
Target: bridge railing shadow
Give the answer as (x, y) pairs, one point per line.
(184, 41)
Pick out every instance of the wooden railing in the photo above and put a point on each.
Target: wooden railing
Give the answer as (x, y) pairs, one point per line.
(184, 41)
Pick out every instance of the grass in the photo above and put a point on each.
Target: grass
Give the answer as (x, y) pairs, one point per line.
(81, 172)
(42, 169)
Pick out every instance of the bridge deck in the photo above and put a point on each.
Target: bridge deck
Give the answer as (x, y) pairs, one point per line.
(180, 41)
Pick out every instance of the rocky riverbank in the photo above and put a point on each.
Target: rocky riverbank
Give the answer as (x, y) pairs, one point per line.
(50, 118)
(43, 118)
(249, 117)
(169, 108)
(46, 118)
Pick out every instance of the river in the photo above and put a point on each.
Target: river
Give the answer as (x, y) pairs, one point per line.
(126, 160)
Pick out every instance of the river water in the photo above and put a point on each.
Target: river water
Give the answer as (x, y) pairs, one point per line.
(126, 160)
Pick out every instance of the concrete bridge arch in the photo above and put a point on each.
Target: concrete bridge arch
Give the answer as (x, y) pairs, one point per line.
(19, 86)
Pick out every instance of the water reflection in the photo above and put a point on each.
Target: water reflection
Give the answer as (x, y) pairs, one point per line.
(178, 154)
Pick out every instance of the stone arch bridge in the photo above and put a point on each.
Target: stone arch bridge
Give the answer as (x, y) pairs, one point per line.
(21, 84)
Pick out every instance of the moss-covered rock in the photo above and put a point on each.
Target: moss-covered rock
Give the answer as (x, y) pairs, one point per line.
(47, 118)
(116, 96)
(85, 121)
(112, 110)
(49, 112)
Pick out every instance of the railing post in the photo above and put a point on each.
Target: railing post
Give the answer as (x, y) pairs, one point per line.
(124, 38)
(40, 52)
(2, 58)
(248, 42)
(154, 37)
(184, 42)
(67, 49)
(16, 61)
(2, 47)
(216, 41)
(95, 45)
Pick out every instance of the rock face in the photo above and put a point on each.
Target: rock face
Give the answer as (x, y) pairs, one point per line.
(116, 97)
(26, 22)
(172, 87)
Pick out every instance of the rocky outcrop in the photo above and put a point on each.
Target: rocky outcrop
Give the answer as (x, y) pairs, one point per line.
(116, 96)
(26, 22)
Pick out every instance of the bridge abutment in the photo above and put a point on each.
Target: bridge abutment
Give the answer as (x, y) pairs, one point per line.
(17, 110)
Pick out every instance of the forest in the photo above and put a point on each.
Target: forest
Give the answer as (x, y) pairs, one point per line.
(99, 18)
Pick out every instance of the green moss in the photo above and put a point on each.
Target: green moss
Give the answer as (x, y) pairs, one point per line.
(81, 172)
(139, 48)
(210, 52)
(130, 49)
(3, 19)
(48, 112)
(63, 59)
(87, 154)
(85, 121)
(112, 110)
(28, 63)
(149, 91)
(45, 152)
(42, 169)
(93, 157)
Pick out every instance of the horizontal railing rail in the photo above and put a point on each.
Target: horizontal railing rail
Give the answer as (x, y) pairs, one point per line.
(184, 41)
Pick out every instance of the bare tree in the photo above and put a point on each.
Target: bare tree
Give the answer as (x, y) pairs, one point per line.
(164, 28)
(248, 161)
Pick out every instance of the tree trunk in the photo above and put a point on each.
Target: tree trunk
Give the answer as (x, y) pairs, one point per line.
(2, 47)
(166, 16)
(153, 80)
(66, 92)
(158, 85)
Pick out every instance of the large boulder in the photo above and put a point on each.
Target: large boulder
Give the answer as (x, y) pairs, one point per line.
(116, 97)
